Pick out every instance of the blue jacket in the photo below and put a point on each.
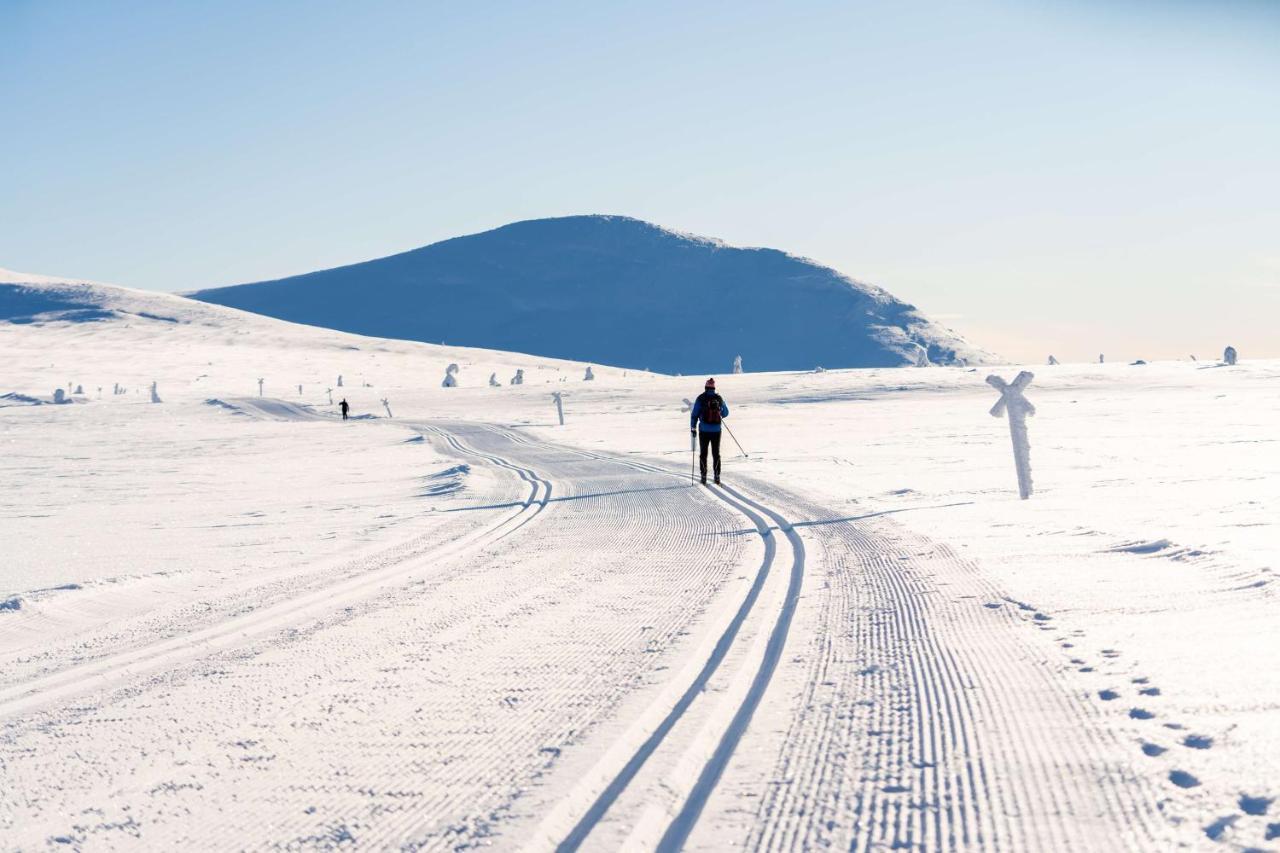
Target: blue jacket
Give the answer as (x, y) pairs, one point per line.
(698, 408)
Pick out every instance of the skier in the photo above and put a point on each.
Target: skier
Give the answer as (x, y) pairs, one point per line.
(343, 405)
(710, 409)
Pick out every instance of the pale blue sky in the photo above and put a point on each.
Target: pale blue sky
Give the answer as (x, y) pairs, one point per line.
(1066, 177)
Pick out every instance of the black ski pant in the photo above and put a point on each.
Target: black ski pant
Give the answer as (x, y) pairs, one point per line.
(712, 440)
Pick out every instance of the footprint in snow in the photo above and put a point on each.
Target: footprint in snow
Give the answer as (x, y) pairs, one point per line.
(1110, 653)
(1255, 805)
(1150, 691)
(1216, 829)
(1140, 714)
(1183, 779)
(1153, 750)
(1198, 741)
(1108, 695)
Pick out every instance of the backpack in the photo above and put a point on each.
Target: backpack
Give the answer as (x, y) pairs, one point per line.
(711, 409)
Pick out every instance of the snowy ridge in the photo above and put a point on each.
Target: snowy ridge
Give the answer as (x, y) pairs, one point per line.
(12, 277)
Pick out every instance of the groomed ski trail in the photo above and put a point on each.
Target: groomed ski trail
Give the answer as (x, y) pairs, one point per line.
(602, 678)
(440, 699)
(112, 669)
(923, 709)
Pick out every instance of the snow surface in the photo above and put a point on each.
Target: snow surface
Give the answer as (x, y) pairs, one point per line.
(234, 621)
(615, 290)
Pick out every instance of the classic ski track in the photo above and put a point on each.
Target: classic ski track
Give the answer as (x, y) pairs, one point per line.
(653, 725)
(452, 649)
(930, 769)
(497, 751)
(109, 670)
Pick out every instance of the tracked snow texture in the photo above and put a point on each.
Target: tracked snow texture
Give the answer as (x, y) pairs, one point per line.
(615, 290)
(232, 621)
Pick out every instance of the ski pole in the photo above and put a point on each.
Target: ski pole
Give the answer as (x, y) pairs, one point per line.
(735, 441)
(692, 449)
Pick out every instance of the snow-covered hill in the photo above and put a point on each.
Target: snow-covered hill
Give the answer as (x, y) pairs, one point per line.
(93, 336)
(615, 290)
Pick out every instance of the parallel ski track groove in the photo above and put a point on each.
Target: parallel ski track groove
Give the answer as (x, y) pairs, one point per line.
(678, 830)
(102, 672)
(946, 766)
(497, 751)
(471, 672)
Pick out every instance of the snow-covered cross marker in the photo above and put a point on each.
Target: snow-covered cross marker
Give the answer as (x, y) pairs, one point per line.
(559, 405)
(386, 406)
(1019, 407)
(260, 387)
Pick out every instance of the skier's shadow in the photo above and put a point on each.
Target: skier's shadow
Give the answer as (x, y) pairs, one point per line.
(845, 520)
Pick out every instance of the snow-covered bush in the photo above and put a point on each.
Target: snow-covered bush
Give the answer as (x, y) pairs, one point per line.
(339, 380)
(1229, 355)
(450, 377)
(60, 396)
(79, 390)
(589, 376)
(737, 364)
(155, 396)
(493, 381)
(1052, 360)
(518, 379)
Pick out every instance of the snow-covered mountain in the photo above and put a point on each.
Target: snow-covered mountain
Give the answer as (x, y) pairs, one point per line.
(615, 290)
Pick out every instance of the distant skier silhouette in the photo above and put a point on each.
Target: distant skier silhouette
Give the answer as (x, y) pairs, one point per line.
(710, 409)
(345, 408)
